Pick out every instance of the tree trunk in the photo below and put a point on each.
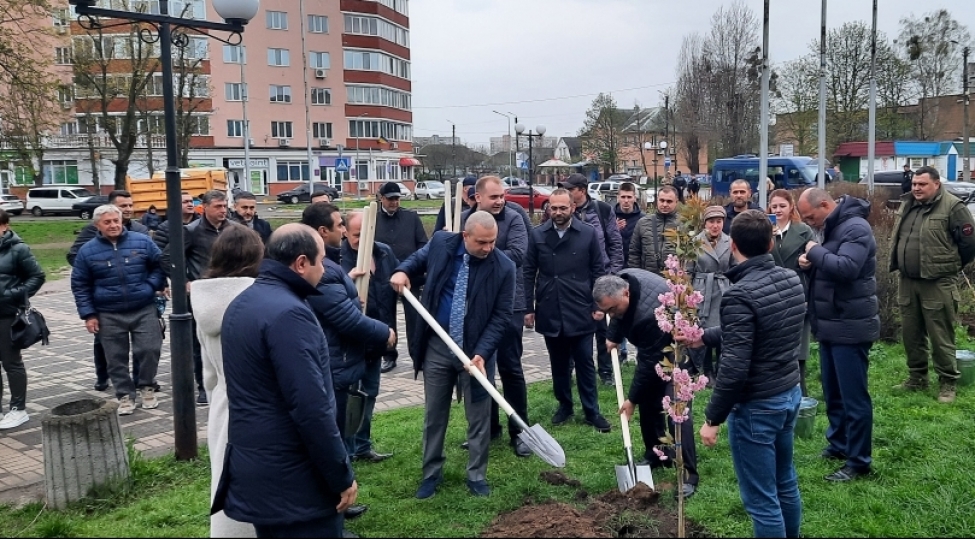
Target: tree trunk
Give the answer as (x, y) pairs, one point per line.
(121, 172)
(83, 448)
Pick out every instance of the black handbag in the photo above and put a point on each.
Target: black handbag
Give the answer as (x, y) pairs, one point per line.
(29, 326)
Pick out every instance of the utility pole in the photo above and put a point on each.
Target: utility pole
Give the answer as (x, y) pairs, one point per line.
(764, 114)
(821, 177)
(872, 112)
(666, 129)
(453, 147)
(966, 167)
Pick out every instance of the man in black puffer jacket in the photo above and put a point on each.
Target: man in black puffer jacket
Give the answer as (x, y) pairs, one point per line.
(757, 387)
(843, 311)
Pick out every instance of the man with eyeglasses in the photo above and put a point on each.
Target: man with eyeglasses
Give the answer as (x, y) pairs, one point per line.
(564, 260)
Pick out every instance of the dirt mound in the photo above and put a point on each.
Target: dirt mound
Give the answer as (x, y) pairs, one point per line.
(638, 513)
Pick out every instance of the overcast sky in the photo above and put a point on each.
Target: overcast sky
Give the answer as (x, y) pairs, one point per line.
(545, 60)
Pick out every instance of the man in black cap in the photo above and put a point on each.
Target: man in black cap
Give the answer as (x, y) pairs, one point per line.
(467, 201)
(403, 231)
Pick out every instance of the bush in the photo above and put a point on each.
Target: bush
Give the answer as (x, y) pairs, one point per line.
(881, 219)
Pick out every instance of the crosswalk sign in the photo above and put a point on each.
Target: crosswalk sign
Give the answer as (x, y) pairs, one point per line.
(341, 164)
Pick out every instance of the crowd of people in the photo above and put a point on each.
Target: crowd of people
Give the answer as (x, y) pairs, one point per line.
(291, 365)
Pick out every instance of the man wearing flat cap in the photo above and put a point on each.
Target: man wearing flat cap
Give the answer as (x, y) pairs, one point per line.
(467, 201)
(403, 231)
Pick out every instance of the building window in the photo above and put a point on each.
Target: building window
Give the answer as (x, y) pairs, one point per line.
(62, 55)
(62, 17)
(376, 61)
(378, 95)
(318, 24)
(374, 26)
(277, 20)
(60, 172)
(235, 128)
(322, 130)
(321, 96)
(319, 60)
(280, 94)
(234, 54)
(235, 91)
(282, 130)
(69, 128)
(399, 6)
(373, 129)
(65, 95)
(292, 171)
(278, 57)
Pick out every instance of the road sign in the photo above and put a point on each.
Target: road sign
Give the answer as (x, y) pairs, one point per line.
(667, 162)
(341, 164)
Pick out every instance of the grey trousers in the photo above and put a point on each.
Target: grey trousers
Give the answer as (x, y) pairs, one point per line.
(441, 372)
(115, 331)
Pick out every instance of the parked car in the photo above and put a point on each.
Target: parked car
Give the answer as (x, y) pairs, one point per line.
(606, 188)
(405, 192)
(620, 178)
(786, 172)
(86, 208)
(12, 204)
(300, 193)
(429, 190)
(513, 181)
(55, 199)
(593, 190)
(519, 195)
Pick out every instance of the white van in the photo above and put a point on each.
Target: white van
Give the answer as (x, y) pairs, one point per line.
(55, 199)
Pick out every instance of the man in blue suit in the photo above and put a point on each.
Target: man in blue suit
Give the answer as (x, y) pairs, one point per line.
(470, 291)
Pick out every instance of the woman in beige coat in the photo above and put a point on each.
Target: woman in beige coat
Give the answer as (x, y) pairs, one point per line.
(234, 262)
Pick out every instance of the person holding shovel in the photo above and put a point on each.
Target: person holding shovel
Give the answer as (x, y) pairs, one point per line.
(629, 299)
(470, 292)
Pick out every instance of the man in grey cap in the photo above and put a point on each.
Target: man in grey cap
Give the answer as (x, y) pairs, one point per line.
(403, 231)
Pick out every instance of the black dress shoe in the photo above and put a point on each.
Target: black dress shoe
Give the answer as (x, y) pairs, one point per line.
(521, 449)
(355, 511)
(600, 423)
(829, 454)
(372, 456)
(101, 386)
(846, 474)
(387, 366)
(561, 416)
(689, 490)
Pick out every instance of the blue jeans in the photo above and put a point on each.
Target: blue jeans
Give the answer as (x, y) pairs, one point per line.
(760, 433)
(848, 405)
(361, 443)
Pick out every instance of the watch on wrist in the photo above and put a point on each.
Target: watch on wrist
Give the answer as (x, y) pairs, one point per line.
(709, 423)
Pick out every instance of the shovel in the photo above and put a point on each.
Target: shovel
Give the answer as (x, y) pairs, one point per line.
(355, 411)
(535, 437)
(627, 476)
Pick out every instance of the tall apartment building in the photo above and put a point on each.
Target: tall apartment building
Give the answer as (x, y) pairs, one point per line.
(319, 83)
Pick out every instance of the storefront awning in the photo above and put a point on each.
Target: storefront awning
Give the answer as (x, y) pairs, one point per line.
(409, 162)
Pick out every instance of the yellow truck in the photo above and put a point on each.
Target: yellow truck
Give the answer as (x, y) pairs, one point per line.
(148, 192)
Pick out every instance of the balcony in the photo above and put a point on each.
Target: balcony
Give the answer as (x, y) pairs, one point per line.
(100, 140)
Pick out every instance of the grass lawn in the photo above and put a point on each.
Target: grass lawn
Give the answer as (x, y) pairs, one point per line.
(53, 261)
(921, 487)
(48, 231)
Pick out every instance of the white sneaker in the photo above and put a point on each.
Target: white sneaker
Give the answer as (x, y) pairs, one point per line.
(149, 400)
(125, 406)
(13, 419)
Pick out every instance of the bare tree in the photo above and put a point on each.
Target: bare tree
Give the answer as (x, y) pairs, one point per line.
(19, 36)
(29, 112)
(796, 102)
(602, 132)
(690, 96)
(436, 158)
(847, 81)
(893, 93)
(933, 45)
(113, 69)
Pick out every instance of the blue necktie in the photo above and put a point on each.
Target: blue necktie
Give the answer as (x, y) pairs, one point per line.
(458, 307)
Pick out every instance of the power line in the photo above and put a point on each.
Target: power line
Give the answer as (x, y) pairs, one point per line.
(543, 99)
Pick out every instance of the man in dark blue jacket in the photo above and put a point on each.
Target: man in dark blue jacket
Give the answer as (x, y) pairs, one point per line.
(114, 281)
(470, 290)
(757, 387)
(564, 260)
(123, 200)
(245, 213)
(380, 306)
(513, 227)
(286, 469)
(348, 331)
(845, 319)
(628, 213)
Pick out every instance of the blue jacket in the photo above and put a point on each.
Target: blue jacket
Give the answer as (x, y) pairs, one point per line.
(285, 461)
(490, 292)
(117, 278)
(348, 331)
(843, 304)
(382, 297)
(513, 227)
(559, 276)
(626, 233)
(602, 218)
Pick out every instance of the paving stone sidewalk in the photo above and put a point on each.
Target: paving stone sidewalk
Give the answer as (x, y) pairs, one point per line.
(63, 372)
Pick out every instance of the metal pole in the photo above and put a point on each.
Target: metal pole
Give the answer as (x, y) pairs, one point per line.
(453, 147)
(180, 321)
(966, 167)
(531, 177)
(872, 112)
(518, 148)
(307, 97)
(508, 149)
(666, 128)
(763, 122)
(247, 128)
(821, 177)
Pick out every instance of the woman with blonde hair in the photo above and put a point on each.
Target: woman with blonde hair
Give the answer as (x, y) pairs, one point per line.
(235, 259)
(791, 235)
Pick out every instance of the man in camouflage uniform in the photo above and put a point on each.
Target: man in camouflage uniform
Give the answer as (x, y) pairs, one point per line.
(933, 240)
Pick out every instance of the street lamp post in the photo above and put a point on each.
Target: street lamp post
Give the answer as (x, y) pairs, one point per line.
(648, 147)
(509, 139)
(175, 31)
(358, 186)
(539, 131)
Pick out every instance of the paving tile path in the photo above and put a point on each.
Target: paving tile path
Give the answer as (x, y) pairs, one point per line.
(63, 372)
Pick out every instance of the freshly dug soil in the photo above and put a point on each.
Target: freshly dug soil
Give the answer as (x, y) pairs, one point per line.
(634, 514)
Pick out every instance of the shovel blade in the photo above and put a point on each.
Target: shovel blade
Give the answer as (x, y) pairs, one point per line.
(625, 480)
(543, 445)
